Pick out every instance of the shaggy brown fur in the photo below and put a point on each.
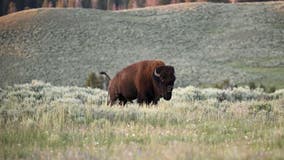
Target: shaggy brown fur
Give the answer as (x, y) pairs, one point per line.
(147, 81)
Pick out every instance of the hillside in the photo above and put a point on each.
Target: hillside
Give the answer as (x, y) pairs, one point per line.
(206, 42)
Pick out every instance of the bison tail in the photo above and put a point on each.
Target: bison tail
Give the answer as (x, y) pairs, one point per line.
(104, 73)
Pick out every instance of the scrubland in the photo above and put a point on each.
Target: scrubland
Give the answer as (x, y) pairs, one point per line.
(42, 121)
(205, 42)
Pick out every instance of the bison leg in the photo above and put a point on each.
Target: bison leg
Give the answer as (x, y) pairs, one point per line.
(140, 99)
(111, 102)
(155, 102)
(143, 99)
(112, 99)
(122, 102)
(122, 99)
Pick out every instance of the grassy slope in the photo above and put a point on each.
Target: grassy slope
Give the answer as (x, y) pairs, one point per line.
(40, 121)
(202, 40)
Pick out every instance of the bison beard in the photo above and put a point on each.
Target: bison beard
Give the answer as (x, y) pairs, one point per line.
(147, 81)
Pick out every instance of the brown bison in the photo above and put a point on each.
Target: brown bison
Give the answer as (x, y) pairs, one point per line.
(147, 81)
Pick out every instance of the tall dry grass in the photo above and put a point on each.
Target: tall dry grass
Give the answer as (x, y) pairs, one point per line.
(41, 121)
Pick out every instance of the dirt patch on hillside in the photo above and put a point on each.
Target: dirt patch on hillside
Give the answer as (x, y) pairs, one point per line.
(18, 17)
(170, 7)
(280, 7)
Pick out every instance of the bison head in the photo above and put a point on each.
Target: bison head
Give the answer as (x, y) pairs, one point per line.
(164, 77)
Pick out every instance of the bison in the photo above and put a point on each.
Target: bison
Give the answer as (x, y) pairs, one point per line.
(147, 81)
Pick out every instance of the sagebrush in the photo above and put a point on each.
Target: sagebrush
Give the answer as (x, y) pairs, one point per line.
(41, 121)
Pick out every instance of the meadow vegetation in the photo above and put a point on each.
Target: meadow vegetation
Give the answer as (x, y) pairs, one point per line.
(207, 43)
(41, 121)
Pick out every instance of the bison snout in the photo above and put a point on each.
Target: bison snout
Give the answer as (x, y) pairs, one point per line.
(168, 96)
(170, 88)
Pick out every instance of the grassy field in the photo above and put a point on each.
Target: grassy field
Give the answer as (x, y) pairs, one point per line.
(41, 121)
(207, 43)
(201, 40)
(271, 70)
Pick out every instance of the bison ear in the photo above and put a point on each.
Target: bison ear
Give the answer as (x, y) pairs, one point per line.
(171, 69)
(159, 69)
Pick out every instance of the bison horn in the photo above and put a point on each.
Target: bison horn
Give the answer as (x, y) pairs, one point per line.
(156, 74)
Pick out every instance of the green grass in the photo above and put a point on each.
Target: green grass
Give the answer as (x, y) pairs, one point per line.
(261, 132)
(269, 76)
(61, 127)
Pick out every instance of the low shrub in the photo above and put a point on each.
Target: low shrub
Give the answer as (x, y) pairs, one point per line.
(252, 85)
(254, 109)
(272, 89)
(96, 81)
